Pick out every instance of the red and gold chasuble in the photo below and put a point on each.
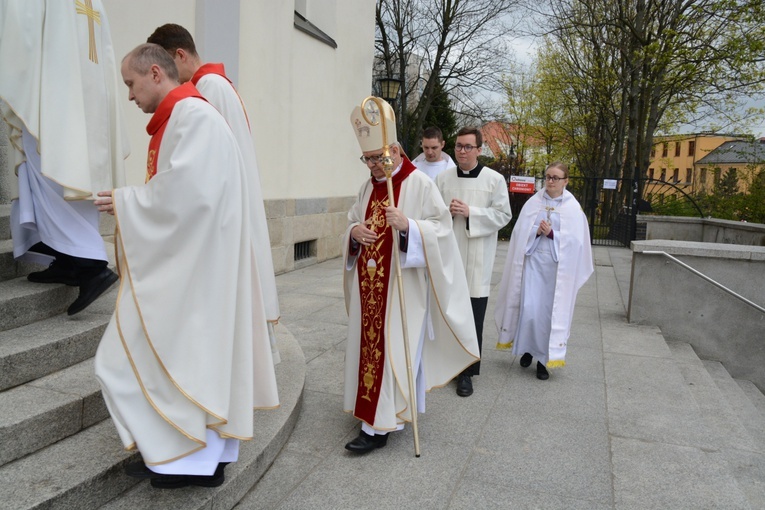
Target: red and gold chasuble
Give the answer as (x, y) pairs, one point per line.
(218, 69)
(158, 123)
(374, 270)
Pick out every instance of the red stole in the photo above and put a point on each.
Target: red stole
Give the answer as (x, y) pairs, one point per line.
(374, 270)
(220, 71)
(158, 123)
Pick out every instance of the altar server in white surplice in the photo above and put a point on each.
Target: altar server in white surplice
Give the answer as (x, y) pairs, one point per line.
(433, 159)
(548, 261)
(440, 328)
(59, 97)
(477, 198)
(211, 81)
(186, 356)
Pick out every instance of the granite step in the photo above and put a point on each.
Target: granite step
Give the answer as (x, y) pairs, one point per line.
(272, 430)
(52, 408)
(80, 471)
(22, 302)
(5, 221)
(718, 410)
(84, 470)
(756, 397)
(742, 403)
(10, 268)
(42, 348)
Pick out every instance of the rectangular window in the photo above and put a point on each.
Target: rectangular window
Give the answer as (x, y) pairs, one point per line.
(665, 150)
(676, 175)
(650, 173)
(663, 174)
(692, 147)
(703, 176)
(653, 152)
(677, 149)
(718, 173)
(688, 176)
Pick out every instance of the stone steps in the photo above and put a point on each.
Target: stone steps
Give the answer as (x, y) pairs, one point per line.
(5, 221)
(729, 413)
(44, 347)
(59, 441)
(80, 471)
(742, 403)
(717, 408)
(22, 302)
(49, 409)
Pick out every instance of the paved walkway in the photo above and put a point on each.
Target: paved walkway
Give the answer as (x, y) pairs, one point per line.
(618, 427)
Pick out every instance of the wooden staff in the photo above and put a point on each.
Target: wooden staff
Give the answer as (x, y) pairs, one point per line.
(388, 168)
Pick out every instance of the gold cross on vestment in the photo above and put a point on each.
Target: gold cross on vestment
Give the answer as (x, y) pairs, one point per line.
(93, 15)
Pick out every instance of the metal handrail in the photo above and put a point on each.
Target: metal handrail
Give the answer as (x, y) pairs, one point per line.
(705, 277)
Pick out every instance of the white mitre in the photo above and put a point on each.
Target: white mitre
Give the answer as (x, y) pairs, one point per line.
(369, 129)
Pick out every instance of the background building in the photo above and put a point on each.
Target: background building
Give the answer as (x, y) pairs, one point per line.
(674, 159)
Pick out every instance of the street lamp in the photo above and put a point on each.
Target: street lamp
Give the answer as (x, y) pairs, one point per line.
(389, 88)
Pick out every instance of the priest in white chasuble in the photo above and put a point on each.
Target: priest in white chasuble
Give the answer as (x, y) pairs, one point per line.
(186, 356)
(211, 81)
(442, 340)
(59, 90)
(478, 201)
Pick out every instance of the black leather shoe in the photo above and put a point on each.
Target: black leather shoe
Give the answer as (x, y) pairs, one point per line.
(525, 360)
(179, 481)
(57, 272)
(91, 289)
(464, 385)
(366, 443)
(542, 372)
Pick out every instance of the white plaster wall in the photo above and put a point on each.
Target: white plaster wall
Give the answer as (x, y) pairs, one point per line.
(299, 92)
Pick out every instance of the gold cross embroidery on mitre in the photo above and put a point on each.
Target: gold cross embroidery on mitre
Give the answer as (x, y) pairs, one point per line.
(93, 15)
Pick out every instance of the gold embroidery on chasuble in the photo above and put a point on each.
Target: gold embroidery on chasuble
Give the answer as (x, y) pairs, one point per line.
(374, 271)
(151, 164)
(93, 15)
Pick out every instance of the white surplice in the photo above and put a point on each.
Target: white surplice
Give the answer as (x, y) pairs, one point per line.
(486, 194)
(433, 168)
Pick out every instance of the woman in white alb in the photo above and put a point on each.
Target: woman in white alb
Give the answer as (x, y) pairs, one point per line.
(548, 261)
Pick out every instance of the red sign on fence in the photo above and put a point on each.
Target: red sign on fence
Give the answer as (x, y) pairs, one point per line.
(521, 184)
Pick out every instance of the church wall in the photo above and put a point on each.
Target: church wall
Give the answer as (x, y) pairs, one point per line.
(299, 93)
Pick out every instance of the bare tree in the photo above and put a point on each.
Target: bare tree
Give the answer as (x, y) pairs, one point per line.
(461, 43)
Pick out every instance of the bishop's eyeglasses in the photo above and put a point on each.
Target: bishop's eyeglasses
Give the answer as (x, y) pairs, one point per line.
(371, 159)
(554, 178)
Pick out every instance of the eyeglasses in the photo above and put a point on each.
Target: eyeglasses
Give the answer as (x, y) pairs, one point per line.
(373, 159)
(467, 148)
(554, 178)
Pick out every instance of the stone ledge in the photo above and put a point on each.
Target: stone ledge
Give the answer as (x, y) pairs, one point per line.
(700, 249)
